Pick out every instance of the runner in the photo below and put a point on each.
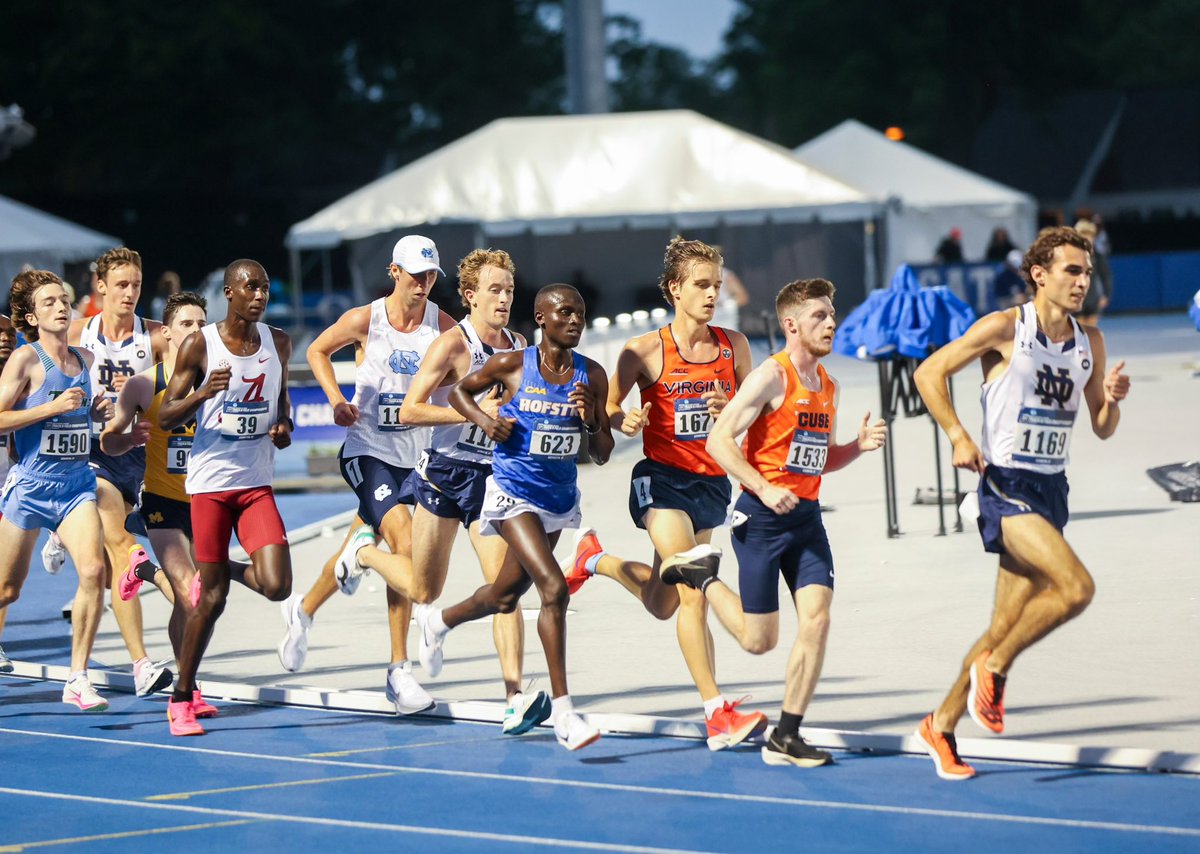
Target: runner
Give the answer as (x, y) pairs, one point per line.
(450, 479)
(788, 410)
(123, 344)
(1038, 362)
(165, 506)
(686, 372)
(46, 403)
(8, 343)
(390, 337)
(551, 393)
(231, 379)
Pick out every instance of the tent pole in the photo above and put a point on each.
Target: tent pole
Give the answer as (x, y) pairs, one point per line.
(297, 286)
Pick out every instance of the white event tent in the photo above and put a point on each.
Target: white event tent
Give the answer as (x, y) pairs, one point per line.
(46, 242)
(925, 196)
(594, 198)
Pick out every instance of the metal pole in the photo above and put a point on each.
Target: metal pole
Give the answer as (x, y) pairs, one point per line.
(584, 43)
(889, 464)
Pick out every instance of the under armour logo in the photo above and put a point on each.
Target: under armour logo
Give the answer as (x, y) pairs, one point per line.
(1054, 388)
(382, 492)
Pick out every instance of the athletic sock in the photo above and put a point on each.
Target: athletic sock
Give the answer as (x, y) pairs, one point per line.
(515, 699)
(139, 664)
(560, 706)
(789, 724)
(714, 705)
(146, 569)
(437, 625)
(178, 696)
(594, 561)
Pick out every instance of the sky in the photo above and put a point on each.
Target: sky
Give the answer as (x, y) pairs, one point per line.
(693, 25)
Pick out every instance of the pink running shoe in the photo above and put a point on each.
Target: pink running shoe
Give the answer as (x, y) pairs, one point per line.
(130, 582)
(586, 547)
(201, 708)
(182, 719)
(195, 590)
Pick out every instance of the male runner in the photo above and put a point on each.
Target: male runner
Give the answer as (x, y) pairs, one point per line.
(788, 410)
(123, 345)
(46, 403)
(449, 481)
(165, 507)
(552, 394)
(231, 379)
(8, 343)
(686, 372)
(1037, 363)
(390, 337)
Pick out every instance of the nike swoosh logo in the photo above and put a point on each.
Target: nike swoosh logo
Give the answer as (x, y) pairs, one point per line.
(265, 359)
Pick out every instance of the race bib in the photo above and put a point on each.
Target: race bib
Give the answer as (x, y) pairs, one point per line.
(243, 420)
(179, 451)
(808, 452)
(1043, 436)
(551, 440)
(474, 440)
(387, 413)
(692, 420)
(66, 438)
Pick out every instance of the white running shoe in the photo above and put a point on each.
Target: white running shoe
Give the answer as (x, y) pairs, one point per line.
(524, 712)
(54, 554)
(348, 572)
(431, 643)
(79, 692)
(150, 677)
(405, 692)
(573, 732)
(294, 647)
(6, 665)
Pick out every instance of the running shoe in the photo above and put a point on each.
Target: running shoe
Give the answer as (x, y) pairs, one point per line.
(294, 647)
(728, 727)
(150, 677)
(586, 547)
(942, 748)
(986, 699)
(524, 712)
(141, 568)
(181, 717)
(6, 665)
(54, 554)
(194, 591)
(201, 707)
(430, 655)
(79, 692)
(697, 568)
(573, 732)
(347, 571)
(793, 750)
(405, 692)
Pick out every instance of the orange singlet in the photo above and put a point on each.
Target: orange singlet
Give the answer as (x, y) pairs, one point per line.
(679, 420)
(789, 446)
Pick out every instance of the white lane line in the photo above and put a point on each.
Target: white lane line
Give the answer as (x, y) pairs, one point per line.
(128, 834)
(360, 825)
(183, 796)
(650, 790)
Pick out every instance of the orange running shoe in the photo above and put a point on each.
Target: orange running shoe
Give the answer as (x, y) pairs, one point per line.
(586, 547)
(728, 727)
(943, 750)
(986, 700)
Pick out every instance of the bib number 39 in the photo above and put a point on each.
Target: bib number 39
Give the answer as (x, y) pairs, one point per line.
(244, 420)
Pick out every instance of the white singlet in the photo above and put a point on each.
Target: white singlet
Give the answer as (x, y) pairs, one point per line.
(390, 361)
(115, 358)
(466, 441)
(1029, 410)
(232, 449)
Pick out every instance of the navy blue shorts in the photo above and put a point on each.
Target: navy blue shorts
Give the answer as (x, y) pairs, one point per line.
(450, 488)
(767, 544)
(379, 486)
(1014, 492)
(704, 498)
(126, 472)
(171, 514)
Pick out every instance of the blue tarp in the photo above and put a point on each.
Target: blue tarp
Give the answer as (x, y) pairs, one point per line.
(1194, 310)
(903, 319)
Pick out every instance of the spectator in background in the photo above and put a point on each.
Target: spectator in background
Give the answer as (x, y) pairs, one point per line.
(168, 283)
(1100, 292)
(91, 303)
(1009, 286)
(999, 246)
(949, 251)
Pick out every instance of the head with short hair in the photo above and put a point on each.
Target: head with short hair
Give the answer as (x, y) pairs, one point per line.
(178, 300)
(22, 296)
(472, 265)
(680, 257)
(795, 294)
(115, 258)
(1041, 253)
(169, 283)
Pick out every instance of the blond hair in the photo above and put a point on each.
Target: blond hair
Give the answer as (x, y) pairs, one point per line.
(470, 267)
(680, 256)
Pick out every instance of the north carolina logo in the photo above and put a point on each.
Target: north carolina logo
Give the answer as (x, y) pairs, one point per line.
(404, 361)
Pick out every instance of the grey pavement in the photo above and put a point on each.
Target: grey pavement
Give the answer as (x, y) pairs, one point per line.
(1124, 674)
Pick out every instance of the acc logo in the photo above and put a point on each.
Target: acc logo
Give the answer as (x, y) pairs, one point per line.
(404, 361)
(726, 353)
(679, 372)
(478, 358)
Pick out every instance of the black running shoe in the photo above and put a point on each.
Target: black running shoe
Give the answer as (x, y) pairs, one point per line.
(697, 568)
(793, 750)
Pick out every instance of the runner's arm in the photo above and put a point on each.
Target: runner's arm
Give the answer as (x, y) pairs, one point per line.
(133, 398)
(437, 365)
(14, 384)
(350, 328)
(182, 399)
(870, 437)
(631, 367)
(1104, 391)
(600, 440)
(502, 368)
(762, 390)
(281, 431)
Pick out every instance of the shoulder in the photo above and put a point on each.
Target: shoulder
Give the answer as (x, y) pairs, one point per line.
(87, 355)
(646, 344)
(450, 341)
(24, 357)
(521, 343)
(1095, 337)
(151, 326)
(509, 360)
(75, 331)
(445, 321)
(737, 340)
(358, 318)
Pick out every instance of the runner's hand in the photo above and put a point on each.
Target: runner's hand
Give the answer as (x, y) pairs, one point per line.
(491, 402)
(716, 400)
(345, 414)
(70, 400)
(140, 433)
(102, 407)
(635, 420)
(499, 429)
(780, 501)
(281, 434)
(218, 381)
(871, 437)
(968, 456)
(585, 401)
(1116, 384)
